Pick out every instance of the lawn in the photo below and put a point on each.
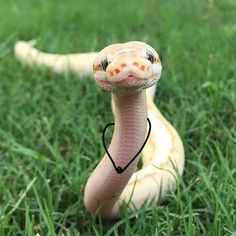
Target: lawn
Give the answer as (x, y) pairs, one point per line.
(51, 126)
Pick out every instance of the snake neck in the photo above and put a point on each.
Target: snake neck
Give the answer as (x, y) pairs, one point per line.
(105, 185)
(130, 127)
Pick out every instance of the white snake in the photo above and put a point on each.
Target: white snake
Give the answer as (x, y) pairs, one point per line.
(126, 70)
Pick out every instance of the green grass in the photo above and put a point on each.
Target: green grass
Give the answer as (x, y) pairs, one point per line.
(50, 126)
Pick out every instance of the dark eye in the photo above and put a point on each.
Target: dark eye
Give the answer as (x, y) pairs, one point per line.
(150, 56)
(104, 64)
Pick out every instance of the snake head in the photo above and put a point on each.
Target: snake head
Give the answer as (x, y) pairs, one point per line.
(127, 67)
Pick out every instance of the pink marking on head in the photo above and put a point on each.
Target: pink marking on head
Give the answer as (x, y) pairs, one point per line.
(117, 71)
(142, 68)
(135, 64)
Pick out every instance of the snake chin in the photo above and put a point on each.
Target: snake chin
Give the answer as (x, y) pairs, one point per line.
(128, 86)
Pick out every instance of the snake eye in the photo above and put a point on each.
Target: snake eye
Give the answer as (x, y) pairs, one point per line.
(104, 64)
(150, 56)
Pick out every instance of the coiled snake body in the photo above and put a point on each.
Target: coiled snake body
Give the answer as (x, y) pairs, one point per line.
(126, 70)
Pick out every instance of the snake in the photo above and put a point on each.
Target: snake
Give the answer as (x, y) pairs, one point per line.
(129, 71)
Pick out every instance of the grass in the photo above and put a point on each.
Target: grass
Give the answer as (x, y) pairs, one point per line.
(50, 126)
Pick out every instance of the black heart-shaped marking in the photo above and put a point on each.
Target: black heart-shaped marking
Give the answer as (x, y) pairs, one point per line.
(119, 169)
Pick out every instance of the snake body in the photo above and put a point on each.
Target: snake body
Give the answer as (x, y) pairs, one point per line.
(130, 72)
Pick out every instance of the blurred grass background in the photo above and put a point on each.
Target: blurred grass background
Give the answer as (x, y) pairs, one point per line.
(50, 126)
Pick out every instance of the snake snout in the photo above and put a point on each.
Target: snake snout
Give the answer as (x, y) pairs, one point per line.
(118, 72)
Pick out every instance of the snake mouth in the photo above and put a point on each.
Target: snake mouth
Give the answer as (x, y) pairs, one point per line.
(131, 81)
(131, 84)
